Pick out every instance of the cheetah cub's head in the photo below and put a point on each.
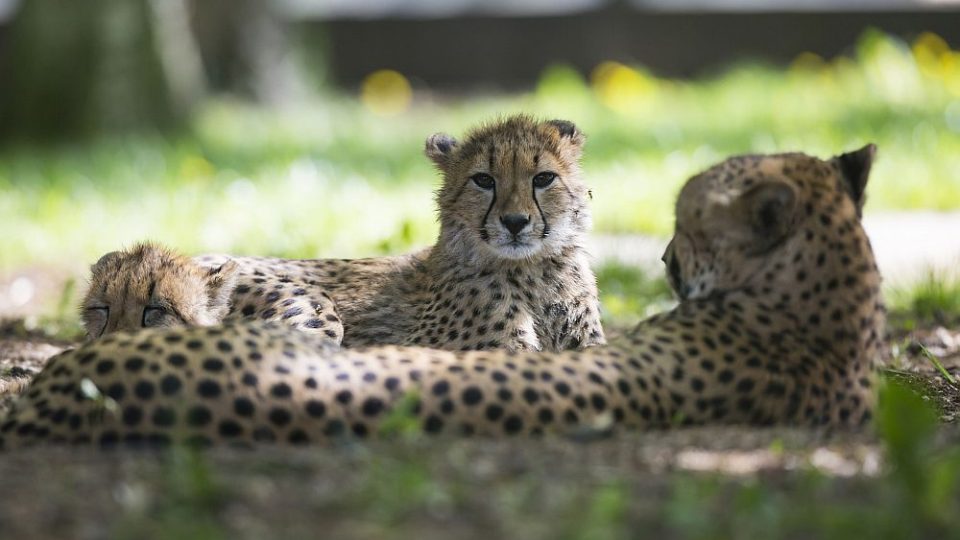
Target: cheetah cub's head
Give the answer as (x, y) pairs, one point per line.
(151, 286)
(513, 188)
(763, 220)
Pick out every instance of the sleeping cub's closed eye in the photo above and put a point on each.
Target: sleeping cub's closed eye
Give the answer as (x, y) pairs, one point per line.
(158, 316)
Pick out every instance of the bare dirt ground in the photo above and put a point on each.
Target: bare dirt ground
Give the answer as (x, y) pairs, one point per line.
(419, 487)
(434, 488)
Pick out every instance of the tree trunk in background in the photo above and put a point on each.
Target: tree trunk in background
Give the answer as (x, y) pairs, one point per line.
(244, 48)
(74, 68)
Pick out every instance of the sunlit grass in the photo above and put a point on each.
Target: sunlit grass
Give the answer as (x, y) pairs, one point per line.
(934, 299)
(334, 178)
(628, 294)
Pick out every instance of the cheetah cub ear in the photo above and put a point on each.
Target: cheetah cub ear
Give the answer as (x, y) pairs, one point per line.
(855, 168)
(439, 148)
(221, 281)
(568, 130)
(770, 208)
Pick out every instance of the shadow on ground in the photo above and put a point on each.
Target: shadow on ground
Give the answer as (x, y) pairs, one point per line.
(690, 483)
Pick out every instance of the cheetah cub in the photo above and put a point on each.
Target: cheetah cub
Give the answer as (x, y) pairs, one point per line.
(149, 286)
(509, 269)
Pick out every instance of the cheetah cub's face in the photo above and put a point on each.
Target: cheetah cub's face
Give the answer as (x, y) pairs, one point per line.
(150, 287)
(751, 221)
(513, 188)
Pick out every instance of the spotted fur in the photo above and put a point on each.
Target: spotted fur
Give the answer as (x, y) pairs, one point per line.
(780, 320)
(482, 286)
(150, 286)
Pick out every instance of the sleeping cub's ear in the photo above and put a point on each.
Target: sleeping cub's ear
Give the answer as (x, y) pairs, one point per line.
(221, 282)
(105, 261)
(439, 148)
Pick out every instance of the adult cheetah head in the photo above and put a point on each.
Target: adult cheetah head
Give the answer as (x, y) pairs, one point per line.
(513, 187)
(151, 286)
(754, 215)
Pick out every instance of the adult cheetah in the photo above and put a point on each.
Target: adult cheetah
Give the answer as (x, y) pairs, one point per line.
(780, 320)
(509, 269)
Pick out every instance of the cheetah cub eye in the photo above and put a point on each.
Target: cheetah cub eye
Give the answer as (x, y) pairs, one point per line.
(544, 179)
(484, 181)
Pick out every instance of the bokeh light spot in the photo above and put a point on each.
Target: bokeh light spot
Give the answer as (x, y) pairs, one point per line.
(386, 92)
(621, 87)
(931, 53)
(808, 62)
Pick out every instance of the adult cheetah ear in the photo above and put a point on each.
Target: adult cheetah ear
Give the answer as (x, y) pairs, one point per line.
(221, 282)
(855, 168)
(568, 130)
(770, 208)
(439, 148)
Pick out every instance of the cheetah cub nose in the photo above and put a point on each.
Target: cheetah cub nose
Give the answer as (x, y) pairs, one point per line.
(515, 222)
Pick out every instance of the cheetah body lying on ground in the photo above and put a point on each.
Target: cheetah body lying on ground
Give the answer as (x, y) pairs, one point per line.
(509, 269)
(780, 321)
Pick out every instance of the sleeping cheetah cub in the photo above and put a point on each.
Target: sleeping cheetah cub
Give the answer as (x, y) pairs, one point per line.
(150, 286)
(509, 269)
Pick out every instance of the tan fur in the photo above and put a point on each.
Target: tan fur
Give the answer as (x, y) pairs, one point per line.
(124, 285)
(476, 288)
(780, 321)
(150, 286)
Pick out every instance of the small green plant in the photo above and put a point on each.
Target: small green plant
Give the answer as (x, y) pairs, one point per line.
(938, 364)
(402, 420)
(397, 486)
(925, 482)
(604, 515)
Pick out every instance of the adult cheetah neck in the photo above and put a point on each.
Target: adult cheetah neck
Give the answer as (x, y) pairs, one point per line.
(826, 289)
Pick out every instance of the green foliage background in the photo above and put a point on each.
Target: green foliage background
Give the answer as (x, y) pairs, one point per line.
(329, 177)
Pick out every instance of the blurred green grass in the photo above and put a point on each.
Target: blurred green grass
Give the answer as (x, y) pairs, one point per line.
(934, 300)
(330, 178)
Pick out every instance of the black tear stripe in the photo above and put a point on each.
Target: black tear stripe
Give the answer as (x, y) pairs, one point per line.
(483, 224)
(543, 217)
(484, 235)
